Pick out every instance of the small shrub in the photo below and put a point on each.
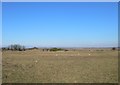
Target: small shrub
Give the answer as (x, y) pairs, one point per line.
(113, 48)
(65, 50)
(35, 48)
(56, 49)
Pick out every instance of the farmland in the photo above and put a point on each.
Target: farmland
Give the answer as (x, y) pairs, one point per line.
(80, 66)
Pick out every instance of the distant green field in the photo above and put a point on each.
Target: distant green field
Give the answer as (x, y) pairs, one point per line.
(35, 66)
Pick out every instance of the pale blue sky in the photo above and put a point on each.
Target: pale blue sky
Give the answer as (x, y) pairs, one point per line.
(60, 24)
(0, 24)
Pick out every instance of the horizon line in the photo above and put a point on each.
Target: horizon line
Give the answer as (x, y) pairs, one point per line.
(65, 46)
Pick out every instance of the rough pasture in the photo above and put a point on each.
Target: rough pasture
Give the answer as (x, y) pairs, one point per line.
(35, 66)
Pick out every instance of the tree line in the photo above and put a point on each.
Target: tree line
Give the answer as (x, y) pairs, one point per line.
(15, 47)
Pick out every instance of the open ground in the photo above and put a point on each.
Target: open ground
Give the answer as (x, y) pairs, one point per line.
(80, 66)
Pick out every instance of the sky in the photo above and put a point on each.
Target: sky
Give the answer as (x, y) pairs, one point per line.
(0, 24)
(60, 24)
(60, 0)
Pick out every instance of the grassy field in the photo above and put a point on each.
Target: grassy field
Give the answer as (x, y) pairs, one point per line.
(35, 66)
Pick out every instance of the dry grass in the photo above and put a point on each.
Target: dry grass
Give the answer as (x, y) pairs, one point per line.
(60, 67)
